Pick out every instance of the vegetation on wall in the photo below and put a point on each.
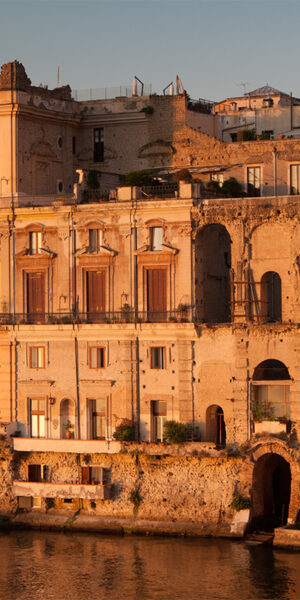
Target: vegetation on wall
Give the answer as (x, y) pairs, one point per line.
(139, 178)
(240, 502)
(182, 175)
(232, 188)
(148, 110)
(125, 432)
(175, 432)
(93, 179)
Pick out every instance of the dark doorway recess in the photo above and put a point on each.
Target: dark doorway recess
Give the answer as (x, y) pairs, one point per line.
(215, 425)
(271, 492)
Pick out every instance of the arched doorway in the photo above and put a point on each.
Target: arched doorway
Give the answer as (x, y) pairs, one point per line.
(215, 425)
(212, 274)
(271, 491)
(67, 418)
(270, 296)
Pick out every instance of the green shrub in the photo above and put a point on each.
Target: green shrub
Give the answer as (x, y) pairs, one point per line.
(182, 175)
(139, 178)
(240, 502)
(148, 110)
(135, 498)
(93, 180)
(249, 135)
(125, 431)
(175, 432)
(231, 188)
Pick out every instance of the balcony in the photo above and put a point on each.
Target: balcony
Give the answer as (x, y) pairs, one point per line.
(60, 445)
(32, 489)
(104, 317)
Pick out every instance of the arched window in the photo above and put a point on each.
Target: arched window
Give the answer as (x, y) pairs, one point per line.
(215, 425)
(271, 391)
(67, 419)
(271, 296)
(212, 274)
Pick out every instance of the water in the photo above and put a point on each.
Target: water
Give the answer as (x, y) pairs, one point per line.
(57, 566)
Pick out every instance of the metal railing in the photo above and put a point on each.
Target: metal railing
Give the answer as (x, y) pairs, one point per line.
(108, 93)
(123, 316)
(164, 190)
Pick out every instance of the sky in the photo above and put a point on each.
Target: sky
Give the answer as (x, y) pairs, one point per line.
(215, 46)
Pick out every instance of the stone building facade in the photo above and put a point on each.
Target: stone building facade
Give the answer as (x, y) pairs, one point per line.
(144, 305)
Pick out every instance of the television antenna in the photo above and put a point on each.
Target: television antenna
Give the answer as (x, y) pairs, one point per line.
(243, 85)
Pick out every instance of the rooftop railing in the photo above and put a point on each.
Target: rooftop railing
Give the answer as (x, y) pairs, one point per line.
(103, 317)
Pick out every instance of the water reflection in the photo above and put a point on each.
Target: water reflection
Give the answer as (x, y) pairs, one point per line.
(53, 566)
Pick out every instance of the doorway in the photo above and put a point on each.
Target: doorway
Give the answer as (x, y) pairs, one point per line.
(215, 425)
(271, 492)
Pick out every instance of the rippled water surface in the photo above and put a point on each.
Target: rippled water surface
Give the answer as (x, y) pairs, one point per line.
(61, 566)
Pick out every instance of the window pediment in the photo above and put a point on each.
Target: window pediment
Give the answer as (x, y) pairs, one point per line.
(166, 249)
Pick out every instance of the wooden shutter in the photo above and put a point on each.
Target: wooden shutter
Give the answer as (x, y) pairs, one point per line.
(85, 475)
(157, 293)
(95, 287)
(36, 295)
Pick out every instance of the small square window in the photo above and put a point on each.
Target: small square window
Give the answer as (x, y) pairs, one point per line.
(37, 357)
(156, 236)
(35, 242)
(157, 357)
(97, 357)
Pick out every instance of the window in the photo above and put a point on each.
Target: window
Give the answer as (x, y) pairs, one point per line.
(271, 296)
(271, 391)
(73, 144)
(37, 357)
(97, 357)
(157, 294)
(38, 472)
(253, 181)
(60, 186)
(155, 238)
(95, 240)
(92, 475)
(98, 145)
(157, 357)
(35, 242)
(35, 291)
(159, 417)
(233, 136)
(295, 179)
(271, 402)
(98, 419)
(37, 418)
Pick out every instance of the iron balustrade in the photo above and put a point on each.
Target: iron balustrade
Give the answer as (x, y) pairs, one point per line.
(118, 317)
(163, 190)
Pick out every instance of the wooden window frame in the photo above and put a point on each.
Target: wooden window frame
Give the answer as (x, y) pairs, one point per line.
(31, 348)
(35, 242)
(103, 353)
(162, 357)
(98, 480)
(286, 383)
(38, 413)
(94, 248)
(152, 235)
(253, 187)
(93, 416)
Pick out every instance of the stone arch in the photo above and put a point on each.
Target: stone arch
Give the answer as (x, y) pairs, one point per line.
(212, 274)
(271, 490)
(270, 296)
(215, 425)
(66, 413)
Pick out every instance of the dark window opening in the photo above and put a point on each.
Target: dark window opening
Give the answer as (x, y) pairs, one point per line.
(92, 475)
(271, 296)
(157, 357)
(99, 145)
(38, 473)
(215, 425)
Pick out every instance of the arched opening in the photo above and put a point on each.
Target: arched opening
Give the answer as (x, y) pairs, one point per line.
(270, 296)
(271, 491)
(67, 418)
(215, 425)
(271, 391)
(212, 274)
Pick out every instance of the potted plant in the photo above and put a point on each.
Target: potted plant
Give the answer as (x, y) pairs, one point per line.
(69, 430)
(182, 310)
(125, 310)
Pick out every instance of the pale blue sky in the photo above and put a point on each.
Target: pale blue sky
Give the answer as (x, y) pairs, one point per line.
(213, 45)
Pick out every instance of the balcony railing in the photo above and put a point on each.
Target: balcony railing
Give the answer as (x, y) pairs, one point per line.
(123, 316)
(164, 190)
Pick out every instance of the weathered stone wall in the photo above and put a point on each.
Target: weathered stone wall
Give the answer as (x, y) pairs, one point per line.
(196, 487)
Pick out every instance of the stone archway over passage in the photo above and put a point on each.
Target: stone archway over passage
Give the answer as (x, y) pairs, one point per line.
(271, 491)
